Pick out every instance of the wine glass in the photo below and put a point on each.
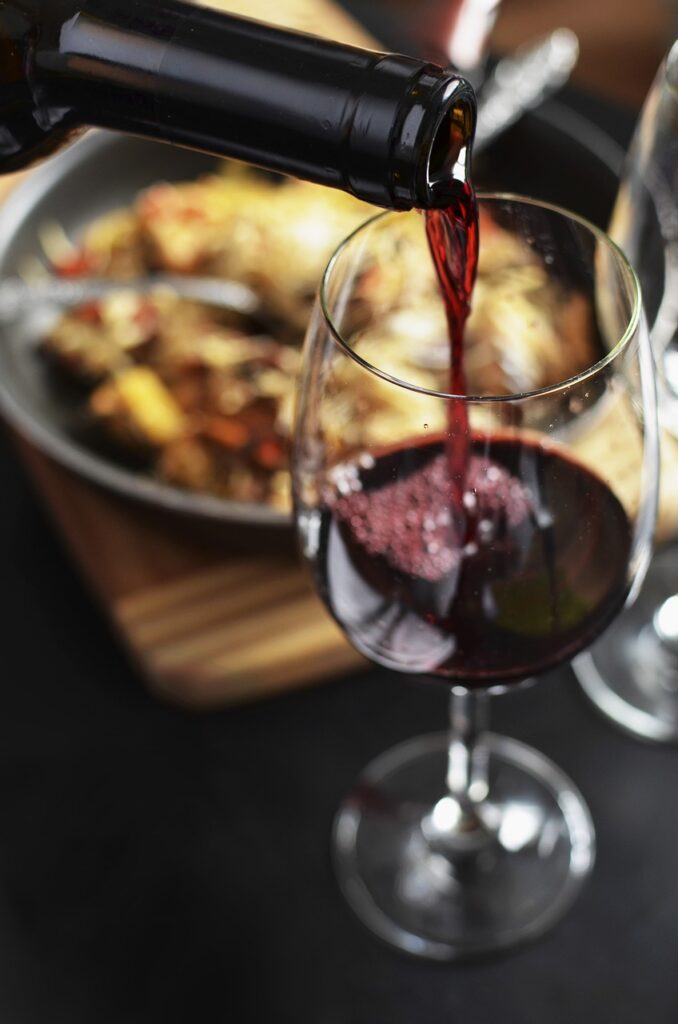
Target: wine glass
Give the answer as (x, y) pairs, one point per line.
(631, 674)
(476, 540)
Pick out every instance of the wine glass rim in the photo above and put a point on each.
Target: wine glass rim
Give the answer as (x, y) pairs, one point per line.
(549, 389)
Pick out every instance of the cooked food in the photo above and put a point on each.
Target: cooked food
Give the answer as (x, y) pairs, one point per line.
(203, 396)
(182, 387)
(138, 410)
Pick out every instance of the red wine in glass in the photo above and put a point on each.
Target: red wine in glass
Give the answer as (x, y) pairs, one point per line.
(538, 570)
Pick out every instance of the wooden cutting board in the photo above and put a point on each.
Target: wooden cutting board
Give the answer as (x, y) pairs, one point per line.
(207, 615)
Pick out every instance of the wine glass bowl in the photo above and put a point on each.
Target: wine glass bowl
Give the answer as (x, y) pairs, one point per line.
(479, 539)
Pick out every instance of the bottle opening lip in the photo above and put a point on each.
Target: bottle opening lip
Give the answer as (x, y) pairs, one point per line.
(449, 158)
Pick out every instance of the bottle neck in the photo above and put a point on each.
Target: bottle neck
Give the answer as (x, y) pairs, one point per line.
(342, 116)
(95, 63)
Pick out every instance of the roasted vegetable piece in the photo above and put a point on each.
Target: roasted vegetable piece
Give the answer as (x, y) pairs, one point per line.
(138, 410)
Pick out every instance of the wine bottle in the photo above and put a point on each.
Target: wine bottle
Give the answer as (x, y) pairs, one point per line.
(380, 126)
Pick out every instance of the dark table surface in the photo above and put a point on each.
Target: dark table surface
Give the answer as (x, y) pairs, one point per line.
(157, 866)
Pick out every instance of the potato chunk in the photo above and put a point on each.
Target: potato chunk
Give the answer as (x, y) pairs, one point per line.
(137, 409)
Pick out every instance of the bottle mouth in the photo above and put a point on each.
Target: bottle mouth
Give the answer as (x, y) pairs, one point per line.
(411, 132)
(449, 161)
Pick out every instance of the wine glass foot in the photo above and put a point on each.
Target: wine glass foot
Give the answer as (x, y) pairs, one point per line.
(631, 673)
(490, 889)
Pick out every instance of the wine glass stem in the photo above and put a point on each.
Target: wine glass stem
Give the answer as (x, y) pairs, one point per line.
(467, 771)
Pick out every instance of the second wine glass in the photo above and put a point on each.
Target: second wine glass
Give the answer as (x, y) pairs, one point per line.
(632, 673)
(475, 539)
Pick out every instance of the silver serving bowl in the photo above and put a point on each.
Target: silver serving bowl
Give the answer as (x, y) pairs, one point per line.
(553, 155)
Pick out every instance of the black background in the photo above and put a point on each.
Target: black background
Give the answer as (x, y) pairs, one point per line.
(159, 866)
